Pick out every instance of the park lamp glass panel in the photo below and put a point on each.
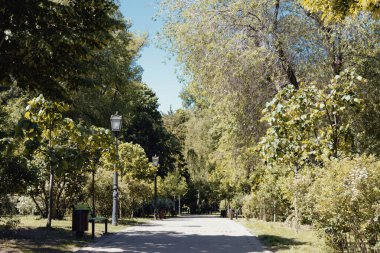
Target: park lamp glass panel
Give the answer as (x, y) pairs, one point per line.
(155, 160)
(116, 121)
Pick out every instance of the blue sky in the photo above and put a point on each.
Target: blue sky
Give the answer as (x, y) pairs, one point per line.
(159, 70)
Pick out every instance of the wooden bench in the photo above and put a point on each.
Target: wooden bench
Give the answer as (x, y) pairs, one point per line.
(98, 219)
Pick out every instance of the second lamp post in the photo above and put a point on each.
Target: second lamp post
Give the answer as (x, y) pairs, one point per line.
(155, 160)
(116, 121)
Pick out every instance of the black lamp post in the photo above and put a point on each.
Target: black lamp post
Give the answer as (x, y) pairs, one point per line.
(155, 160)
(116, 121)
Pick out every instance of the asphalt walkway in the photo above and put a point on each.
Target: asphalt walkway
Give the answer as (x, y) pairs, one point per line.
(206, 234)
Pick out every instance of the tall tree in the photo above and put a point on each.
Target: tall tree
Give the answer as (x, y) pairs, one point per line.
(44, 44)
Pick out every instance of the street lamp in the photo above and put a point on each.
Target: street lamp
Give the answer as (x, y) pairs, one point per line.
(155, 160)
(116, 121)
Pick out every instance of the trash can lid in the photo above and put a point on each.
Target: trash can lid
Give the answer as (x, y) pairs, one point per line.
(82, 207)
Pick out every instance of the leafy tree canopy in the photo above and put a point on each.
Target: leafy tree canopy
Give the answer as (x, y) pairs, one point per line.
(337, 10)
(45, 44)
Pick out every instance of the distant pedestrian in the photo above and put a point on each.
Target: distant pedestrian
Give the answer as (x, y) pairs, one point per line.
(232, 214)
(237, 213)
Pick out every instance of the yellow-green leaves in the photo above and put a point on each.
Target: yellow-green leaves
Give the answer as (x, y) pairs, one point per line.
(345, 199)
(174, 185)
(132, 164)
(310, 124)
(67, 143)
(337, 10)
(45, 112)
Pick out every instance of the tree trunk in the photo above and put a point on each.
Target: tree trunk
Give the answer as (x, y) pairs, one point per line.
(43, 214)
(265, 213)
(45, 198)
(51, 184)
(93, 193)
(285, 63)
(295, 200)
(198, 199)
(51, 187)
(179, 205)
(59, 214)
(120, 214)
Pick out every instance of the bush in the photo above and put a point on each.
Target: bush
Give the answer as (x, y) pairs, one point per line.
(7, 206)
(134, 195)
(268, 202)
(25, 205)
(347, 204)
(8, 227)
(165, 204)
(103, 192)
(249, 211)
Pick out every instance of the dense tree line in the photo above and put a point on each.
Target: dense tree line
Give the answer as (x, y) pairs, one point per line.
(66, 67)
(281, 117)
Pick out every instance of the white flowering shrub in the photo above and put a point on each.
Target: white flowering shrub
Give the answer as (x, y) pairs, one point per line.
(346, 197)
(25, 205)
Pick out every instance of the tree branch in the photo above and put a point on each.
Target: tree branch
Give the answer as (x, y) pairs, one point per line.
(285, 63)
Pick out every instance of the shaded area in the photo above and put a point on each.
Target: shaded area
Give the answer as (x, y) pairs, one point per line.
(275, 243)
(42, 239)
(171, 241)
(128, 222)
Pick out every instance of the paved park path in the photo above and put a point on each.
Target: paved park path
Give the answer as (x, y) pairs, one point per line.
(206, 234)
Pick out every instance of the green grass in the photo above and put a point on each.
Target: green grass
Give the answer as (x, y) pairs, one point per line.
(32, 235)
(279, 237)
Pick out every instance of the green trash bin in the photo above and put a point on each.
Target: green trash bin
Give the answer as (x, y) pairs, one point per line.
(80, 219)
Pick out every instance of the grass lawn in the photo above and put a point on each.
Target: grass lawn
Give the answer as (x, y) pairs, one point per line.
(278, 237)
(33, 236)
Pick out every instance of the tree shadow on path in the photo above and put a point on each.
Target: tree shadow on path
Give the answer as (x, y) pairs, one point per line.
(171, 241)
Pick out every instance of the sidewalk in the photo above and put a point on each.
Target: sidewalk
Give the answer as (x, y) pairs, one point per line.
(208, 234)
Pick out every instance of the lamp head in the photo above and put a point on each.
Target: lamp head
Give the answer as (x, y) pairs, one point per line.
(116, 121)
(155, 160)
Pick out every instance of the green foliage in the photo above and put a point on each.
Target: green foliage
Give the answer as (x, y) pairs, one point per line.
(269, 201)
(14, 173)
(103, 192)
(311, 124)
(337, 10)
(47, 117)
(142, 122)
(69, 182)
(45, 45)
(132, 163)
(60, 149)
(134, 195)
(174, 185)
(136, 175)
(239, 57)
(118, 83)
(165, 205)
(347, 198)
(94, 70)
